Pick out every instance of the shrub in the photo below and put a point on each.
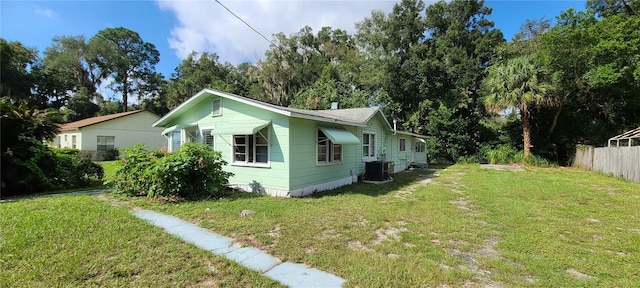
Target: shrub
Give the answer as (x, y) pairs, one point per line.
(193, 172)
(131, 170)
(72, 170)
(503, 154)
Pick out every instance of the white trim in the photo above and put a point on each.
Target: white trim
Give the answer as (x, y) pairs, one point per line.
(203, 135)
(375, 146)
(245, 163)
(304, 191)
(254, 103)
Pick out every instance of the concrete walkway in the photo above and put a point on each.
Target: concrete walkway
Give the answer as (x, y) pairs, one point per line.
(287, 273)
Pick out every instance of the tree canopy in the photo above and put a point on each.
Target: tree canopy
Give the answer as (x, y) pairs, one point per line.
(436, 69)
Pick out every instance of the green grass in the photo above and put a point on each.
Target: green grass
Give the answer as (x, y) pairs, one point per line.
(465, 226)
(108, 167)
(540, 227)
(80, 241)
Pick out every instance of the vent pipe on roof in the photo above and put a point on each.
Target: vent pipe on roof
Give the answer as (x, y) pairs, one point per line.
(395, 125)
(334, 105)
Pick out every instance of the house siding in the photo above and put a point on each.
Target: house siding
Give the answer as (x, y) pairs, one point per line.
(293, 169)
(128, 131)
(67, 143)
(377, 127)
(273, 179)
(307, 176)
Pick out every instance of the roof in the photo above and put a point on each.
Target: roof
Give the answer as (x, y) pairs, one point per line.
(94, 120)
(352, 116)
(626, 136)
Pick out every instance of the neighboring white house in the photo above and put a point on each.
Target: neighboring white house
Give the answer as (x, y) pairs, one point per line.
(109, 132)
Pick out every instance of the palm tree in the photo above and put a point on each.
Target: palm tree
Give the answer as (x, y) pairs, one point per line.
(518, 84)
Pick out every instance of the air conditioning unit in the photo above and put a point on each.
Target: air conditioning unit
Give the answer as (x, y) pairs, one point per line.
(377, 170)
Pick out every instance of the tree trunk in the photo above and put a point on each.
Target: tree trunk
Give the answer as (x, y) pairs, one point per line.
(526, 131)
(554, 123)
(125, 96)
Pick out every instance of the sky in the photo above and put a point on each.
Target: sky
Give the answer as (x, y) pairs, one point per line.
(178, 27)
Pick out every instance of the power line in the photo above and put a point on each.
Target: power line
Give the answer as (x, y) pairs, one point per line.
(245, 22)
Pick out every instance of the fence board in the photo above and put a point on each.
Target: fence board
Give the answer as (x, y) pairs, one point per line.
(618, 161)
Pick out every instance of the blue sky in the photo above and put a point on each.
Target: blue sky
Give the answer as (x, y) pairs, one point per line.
(178, 27)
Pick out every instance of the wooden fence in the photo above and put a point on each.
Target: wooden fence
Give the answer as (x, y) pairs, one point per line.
(618, 161)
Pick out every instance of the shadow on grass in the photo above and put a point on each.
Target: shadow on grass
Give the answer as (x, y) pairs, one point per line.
(400, 180)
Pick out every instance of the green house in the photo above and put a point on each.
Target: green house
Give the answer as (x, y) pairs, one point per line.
(291, 152)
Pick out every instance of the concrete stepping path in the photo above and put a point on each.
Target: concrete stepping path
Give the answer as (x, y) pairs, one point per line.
(287, 273)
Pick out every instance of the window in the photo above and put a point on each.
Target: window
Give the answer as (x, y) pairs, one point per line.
(176, 140)
(216, 109)
(106, 142)
(368, 145)
(251, 149)
(420, 147)
(73, 141)
(59, 140)
(208, 139)
(402, 144)
(328, 152)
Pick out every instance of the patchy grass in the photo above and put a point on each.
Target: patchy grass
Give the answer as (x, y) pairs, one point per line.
(464, 226)
(80, 241)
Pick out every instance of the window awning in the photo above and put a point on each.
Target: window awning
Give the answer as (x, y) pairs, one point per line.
(170, 129)
(340, 135)
(241, 128)
(421, 140)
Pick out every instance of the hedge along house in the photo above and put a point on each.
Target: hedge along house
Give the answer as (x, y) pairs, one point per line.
(284, 151)
(102, 134)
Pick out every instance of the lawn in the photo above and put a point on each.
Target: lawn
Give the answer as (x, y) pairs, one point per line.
(461, 226)
(80, 241)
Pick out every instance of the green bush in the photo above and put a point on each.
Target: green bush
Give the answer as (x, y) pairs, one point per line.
(193, 172)
(503, 154)
(507, 154)
(131, 170)
(73, 170)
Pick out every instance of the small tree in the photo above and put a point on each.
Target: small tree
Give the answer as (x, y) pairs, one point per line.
(518, 84)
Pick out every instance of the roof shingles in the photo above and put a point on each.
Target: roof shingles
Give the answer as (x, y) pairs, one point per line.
(94, 120)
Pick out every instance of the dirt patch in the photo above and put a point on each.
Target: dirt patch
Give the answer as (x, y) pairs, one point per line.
(361, 221)
(357, 245)
(489, 248)
(578, 275)
(501, 167)
(389, 232)
(461, 203)
(275, 232)
(405, 194)
(207, 283)
(327, 234)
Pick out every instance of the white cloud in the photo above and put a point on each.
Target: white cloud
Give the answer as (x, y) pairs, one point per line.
(46, 13)
(206, 26)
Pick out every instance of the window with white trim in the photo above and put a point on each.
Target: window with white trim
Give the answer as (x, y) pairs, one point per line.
(106, 142)
(328, 152)
(208, 139)
(420, 147)
(368, 145)
(176, 140)
(73, 141)
(59, 142)
(251, 149)
(216, 109)
(402, 144)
